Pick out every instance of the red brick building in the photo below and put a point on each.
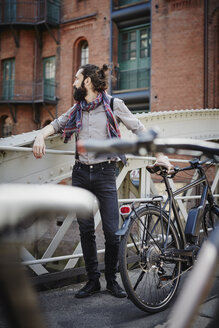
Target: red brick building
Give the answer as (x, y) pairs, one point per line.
(42, 44)
(185, 54)
(164, 55)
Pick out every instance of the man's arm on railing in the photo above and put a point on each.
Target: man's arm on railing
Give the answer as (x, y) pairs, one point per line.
(39, 147)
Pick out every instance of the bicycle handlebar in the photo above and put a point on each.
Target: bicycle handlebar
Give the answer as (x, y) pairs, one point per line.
(195, 164)
(148, 142)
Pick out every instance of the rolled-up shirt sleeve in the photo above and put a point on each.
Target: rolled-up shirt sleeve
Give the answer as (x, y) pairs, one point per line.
(124, 115)
(60, 122)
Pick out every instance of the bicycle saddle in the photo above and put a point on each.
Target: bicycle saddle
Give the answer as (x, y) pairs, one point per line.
(156, 167)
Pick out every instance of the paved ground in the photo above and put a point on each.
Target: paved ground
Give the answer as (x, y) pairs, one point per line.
(102, 310)
(62, 310)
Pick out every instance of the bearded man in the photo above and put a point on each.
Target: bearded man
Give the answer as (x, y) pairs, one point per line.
(92, 118)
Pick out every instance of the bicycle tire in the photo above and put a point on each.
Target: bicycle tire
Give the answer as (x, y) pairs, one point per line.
(151, 283)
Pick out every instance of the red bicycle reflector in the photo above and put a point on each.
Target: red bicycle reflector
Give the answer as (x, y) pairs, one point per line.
(125, 210)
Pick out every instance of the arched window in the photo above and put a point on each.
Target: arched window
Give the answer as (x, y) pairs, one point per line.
(84, 52)
(80, 54)
(6, 126)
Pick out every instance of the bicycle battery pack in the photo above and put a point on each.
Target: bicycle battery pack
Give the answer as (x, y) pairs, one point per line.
(192, 228)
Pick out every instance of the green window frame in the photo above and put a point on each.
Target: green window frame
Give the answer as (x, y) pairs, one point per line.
(8, 79)
(53, 11)
(134, 58)
(49, 74)
(10, 11)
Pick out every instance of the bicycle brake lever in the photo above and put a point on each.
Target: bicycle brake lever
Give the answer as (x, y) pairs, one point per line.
(173, 172)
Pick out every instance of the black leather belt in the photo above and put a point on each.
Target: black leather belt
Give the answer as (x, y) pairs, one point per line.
(98, 166)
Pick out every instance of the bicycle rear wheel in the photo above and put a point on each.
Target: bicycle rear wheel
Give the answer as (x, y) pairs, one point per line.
(150, 280)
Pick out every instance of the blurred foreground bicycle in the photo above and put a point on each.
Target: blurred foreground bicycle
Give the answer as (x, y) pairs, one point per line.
(18, 203)
(155, 250)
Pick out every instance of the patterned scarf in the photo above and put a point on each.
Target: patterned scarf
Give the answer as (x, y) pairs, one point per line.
(74, 122)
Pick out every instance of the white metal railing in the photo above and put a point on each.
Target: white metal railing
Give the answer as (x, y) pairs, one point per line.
(29, 150)
(134, 162)
(132, 165)
(18, 165)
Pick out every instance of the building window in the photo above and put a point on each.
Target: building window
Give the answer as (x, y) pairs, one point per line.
(84, 53)
(133, 71)
(10, 11)
(8, 79)
(128, 45)
(53, 10)
(49, 72)
(50, 68)
(6, 126)
(145, 43)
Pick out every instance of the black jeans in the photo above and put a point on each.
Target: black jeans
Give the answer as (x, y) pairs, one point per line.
(100, 180)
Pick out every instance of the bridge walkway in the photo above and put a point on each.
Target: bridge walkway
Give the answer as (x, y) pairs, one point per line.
(62, 310)
(102, 310)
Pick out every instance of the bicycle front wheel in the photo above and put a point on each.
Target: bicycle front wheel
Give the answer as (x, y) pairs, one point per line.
(150, 279)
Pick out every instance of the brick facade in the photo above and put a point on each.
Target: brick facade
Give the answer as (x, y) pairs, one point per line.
(179, 47)
(88, 20)
(178, 55)
(177, 80)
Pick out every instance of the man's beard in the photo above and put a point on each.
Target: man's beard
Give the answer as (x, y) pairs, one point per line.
(79, 94)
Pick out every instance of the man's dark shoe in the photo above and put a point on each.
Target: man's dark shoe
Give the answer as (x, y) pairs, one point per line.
(116, 290)
(91, 287)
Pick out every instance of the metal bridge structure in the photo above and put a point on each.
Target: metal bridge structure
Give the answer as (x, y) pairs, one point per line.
(18, 165)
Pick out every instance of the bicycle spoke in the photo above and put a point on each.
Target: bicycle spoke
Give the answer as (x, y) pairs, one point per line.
(148, 233)
(139, 279)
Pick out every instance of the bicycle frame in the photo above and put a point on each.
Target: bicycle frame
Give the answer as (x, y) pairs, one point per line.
(195, 217)
(156, 254)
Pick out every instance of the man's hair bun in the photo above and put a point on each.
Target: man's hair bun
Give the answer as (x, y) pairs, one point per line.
(105, 67)
(98, 76)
